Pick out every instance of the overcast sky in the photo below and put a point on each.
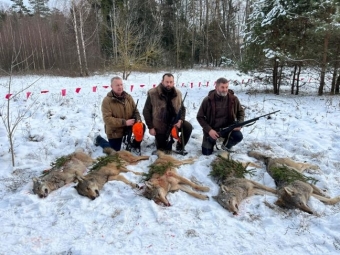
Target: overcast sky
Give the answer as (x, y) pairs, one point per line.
(52, 3)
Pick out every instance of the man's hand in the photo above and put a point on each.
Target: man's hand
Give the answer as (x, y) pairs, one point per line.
(152, 131)
(130, 122)
(213, 134)
(179, 123)
(237, 128)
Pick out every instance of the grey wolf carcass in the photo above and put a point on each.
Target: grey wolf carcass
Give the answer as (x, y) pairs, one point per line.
(234, 188)
(292, 187)
(163, 178)
(127, 156)
(106, 169)
(65, 170)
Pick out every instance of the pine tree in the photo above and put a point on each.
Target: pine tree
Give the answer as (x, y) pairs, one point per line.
(19, 7)
(40, 7)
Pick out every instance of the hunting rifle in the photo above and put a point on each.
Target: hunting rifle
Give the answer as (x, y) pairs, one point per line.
(224, 131)
(128, 136)
(174, 120)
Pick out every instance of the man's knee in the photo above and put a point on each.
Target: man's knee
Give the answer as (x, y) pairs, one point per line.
(237, 136)
(207, 146)
(187, 127)
(206, 151)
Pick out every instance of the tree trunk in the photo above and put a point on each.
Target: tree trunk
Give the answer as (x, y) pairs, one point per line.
(275, 70)
(324, 64)
(41, 48)
(81, 20)
(298, 80)
(75, 28)
(337, 85)
(193, 47)
(293, 82)
(207, 32)
(335, 71)
(335, 74)
(280, 78)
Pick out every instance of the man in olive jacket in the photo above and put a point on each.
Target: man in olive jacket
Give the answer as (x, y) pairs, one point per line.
(160, 110)
(119, 113)
(220, 109)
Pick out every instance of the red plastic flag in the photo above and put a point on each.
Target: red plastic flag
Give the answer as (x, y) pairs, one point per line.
(105, 87)
(131, 88)
(44, 91)
(77, 90)
(8, 96)
(63, 92)
(94, 88)
(28, 94)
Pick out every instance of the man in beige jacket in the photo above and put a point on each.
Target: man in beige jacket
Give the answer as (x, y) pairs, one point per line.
(119, 115)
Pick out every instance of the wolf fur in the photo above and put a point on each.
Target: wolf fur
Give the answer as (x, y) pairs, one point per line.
(158, 186)
(90, 184)
(165, 158)
(127, 156)
(297, 193)
(57, 178)
(234, 190)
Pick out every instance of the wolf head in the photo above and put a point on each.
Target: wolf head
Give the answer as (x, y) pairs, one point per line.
(40, 188)
(157, 194)
(292, 198)
(87, 188)
(227, 199)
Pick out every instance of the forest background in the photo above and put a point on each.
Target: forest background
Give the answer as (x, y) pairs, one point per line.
(80, 37)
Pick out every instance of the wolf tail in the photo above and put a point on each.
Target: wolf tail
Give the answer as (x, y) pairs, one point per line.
(258, 155)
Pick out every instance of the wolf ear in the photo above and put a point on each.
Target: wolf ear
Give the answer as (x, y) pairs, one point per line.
(289, 191)
(35, 180)
(149, 185)
(79, 178)
(224, 188)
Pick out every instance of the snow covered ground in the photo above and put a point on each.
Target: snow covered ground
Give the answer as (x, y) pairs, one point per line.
(121, 221)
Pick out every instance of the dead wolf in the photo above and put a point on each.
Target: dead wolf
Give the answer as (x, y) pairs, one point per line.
(165, 179)
(90, 184)
(65, 171)
(292, 193)
(234, 190)
(234, 187)
(125, 155)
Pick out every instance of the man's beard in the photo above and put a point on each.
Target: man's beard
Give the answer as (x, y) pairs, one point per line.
(222, 94)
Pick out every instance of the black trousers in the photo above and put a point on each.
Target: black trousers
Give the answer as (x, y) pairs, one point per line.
(161, 139)
(231, 139)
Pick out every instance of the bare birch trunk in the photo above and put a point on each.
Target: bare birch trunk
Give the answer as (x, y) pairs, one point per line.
(75, 28)
(81, 19)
